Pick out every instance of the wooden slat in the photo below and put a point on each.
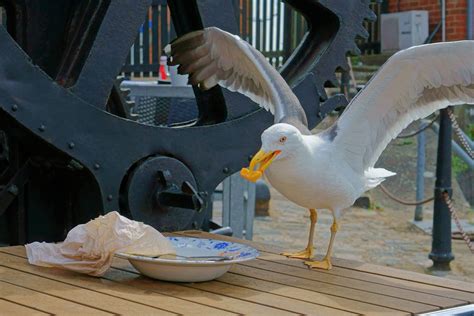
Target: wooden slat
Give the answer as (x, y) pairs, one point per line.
(70, 286)
(130, 292)
(261, 296)
(187, 302)
(406, 294)
(405, 275)
(11, 308)
(358, 266)
(336, 290)
(38, 300)
(307, 295)
(124, 274)
(379, 289)
(379, 302)
(219, 300)
(378, 279)
(270, 285)
(260, 302)
(276, 301)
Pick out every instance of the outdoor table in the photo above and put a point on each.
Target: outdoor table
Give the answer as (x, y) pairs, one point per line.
(271, 285)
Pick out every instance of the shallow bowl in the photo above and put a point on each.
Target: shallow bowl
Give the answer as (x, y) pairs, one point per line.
(190, 270)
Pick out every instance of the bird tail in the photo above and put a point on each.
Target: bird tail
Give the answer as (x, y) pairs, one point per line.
(375, 176)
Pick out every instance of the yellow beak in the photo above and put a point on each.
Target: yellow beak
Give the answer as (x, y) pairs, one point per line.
(262, 159)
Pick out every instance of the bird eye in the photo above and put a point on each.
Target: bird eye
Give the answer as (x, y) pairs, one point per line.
(282, 139)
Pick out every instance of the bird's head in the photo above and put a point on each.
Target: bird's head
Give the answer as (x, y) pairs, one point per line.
(279, 141)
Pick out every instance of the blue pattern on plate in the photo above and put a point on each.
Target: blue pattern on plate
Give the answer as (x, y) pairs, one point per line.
(240, 251)
(221, 245)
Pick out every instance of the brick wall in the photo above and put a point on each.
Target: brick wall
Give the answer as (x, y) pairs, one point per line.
(455, 15)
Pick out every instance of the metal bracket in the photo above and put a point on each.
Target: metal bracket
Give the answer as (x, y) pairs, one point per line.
(12, 189)
(185, 197)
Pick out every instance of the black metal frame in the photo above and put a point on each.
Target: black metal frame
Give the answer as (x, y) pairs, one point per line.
(85, 157)
(441, 253)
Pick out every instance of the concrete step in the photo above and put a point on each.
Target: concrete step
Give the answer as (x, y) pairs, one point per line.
(374, 60)
(365, 68)
(363, 77)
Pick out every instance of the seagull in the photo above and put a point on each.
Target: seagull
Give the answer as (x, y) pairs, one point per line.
(331, 169)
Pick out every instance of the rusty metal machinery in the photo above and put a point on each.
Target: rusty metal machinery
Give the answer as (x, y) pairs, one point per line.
(69, 149)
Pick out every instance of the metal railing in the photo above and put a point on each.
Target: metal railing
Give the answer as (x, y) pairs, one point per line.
(271, 26)
(156, 32)
(420, 166)
(444, 210)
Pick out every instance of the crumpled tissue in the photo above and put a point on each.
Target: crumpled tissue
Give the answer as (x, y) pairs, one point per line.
(89, 248)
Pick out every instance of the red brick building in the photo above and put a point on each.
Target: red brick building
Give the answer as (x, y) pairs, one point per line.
(456, 15)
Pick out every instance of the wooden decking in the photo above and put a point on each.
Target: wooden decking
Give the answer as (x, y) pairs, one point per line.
(271, 285)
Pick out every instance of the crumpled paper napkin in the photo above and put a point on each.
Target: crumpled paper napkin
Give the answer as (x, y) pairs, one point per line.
(89, 248)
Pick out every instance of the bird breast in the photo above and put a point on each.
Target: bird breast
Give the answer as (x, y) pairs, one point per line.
(315, 178)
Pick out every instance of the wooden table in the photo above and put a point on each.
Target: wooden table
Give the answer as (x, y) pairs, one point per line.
(272, 285)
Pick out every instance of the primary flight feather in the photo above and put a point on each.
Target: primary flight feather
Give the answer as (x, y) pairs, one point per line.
(329, 170)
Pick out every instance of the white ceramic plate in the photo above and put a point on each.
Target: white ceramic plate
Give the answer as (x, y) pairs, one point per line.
(184, 270)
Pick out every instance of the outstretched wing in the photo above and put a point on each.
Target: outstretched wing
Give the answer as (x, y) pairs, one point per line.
(411, 85)
(212, 56)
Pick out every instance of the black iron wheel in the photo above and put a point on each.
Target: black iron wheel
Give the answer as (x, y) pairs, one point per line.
(61, 107)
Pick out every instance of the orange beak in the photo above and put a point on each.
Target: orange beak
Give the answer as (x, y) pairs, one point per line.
(262, 159)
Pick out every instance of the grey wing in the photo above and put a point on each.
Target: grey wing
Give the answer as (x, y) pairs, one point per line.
(212, 56)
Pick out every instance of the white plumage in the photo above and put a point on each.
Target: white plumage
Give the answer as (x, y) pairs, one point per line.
(332, 169)
(411, 85)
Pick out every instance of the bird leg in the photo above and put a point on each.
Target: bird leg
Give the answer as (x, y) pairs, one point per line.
(308, 252)
(326, 262)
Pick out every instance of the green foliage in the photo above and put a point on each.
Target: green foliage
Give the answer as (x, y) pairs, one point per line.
(459, 166)
(374, 206)
(404, 142)
(356, 60)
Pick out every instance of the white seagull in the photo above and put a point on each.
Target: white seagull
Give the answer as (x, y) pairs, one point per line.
(329, 170)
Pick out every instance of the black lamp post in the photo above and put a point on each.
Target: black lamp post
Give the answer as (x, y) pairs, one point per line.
(441, 244)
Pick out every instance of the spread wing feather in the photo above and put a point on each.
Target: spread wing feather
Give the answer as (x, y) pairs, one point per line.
(411, 85)
(212, 56)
